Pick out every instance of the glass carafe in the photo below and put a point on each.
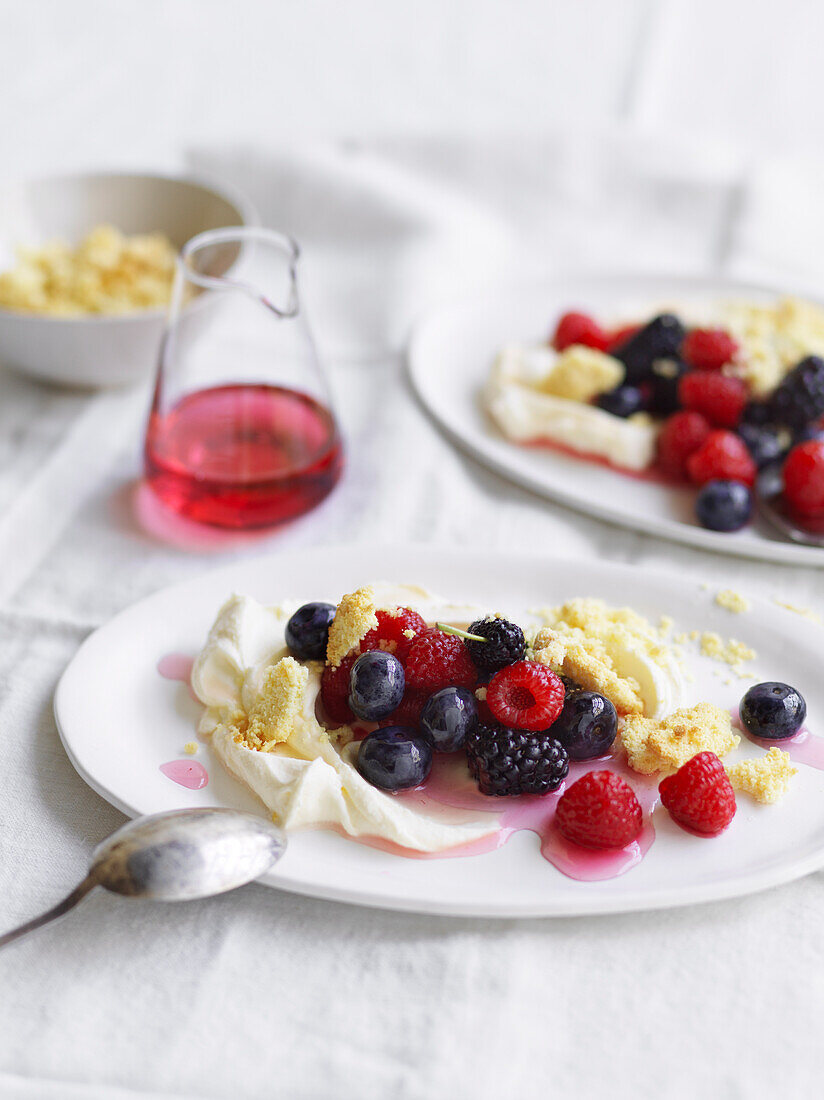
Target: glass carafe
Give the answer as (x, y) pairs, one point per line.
(241, 431)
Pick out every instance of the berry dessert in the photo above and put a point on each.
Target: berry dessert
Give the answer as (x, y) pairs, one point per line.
(703, 398)
(427, 728)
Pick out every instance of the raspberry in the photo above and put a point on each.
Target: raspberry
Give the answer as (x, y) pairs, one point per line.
(510, 762)
(600, 810)
(800, 397)
(408, 713)
(708, 348)
(715, 396)
(699, 797)
(722, 456)
(503, 646)
(334, 689)
(680, 436)
(578, 328)
(621, 336)
(437, 660)
(390, 631)
(526, 695)
(804, 478)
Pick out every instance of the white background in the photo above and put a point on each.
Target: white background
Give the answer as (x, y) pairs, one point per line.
(683, 134)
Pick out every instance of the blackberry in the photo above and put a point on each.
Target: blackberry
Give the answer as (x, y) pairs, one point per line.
(800, 397)
(664, 377)
(504, 644)
(757, 413)
(660, 339)
(504, 761)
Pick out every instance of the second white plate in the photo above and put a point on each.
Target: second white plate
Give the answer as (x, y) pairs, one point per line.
(450, 356)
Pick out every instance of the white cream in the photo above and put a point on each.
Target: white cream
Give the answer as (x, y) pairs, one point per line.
(524, 414)
(310, 779)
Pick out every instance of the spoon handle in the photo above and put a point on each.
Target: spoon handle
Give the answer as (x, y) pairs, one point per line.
(62, 907)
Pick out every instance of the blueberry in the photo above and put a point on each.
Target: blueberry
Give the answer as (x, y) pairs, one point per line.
(448, 716)
(623, 401)
(773, 710)
(724, 505)
(394, 758)
(763, 443)
(376, 685)
(664, 377)
(660, 339)
(587, 725)
(307, 632)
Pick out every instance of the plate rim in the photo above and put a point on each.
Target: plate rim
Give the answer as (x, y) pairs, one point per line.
(659, 898)
(671, 530)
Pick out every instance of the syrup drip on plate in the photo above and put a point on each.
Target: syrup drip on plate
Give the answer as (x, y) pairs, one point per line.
(450, 787)
(804, 747)
(187, 773)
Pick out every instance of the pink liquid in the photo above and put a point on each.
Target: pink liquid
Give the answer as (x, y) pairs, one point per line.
(450, 786)
(651, 473)
(804, 747)
(178, 666)
(188, 773)
(243, 456)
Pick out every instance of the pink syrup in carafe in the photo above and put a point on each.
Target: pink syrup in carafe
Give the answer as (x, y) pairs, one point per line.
(243, 456)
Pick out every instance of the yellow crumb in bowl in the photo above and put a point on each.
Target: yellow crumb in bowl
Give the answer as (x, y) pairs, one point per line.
(107, 273)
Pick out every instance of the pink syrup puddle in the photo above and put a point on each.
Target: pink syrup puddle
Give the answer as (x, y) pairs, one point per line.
(650, 474)
(450, 788)
(178, 666)
(804, 748)
(188, 773)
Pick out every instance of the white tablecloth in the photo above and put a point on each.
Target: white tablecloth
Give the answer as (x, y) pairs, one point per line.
(261, 994)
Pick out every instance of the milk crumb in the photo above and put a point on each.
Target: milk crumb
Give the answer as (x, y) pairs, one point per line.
(765, 778)
(732, 652)
(278, 705)
(732, 601)
(581, 373)
(190, 748)
(354, 618)
(664, 744)
(804, 612)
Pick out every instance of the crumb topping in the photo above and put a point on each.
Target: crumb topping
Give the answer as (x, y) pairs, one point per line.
(765, 778)
(731, 653)
(278, 705)
(773, 338)
(664, 744)
(804, 612)
(732, 601)
(190, 748)
(354, 618)
(580, 373)
(578, 638)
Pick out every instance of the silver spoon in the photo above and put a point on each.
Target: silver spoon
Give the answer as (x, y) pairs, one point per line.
(769, 493)
(175, 856)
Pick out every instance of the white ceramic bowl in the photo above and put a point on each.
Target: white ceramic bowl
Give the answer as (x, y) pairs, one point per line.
(100, 350)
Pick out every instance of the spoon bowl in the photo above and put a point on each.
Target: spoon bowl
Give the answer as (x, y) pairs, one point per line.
(177, 856)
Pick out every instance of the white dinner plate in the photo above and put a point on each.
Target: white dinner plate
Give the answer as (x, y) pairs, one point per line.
(450, 356)
(120, 720)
